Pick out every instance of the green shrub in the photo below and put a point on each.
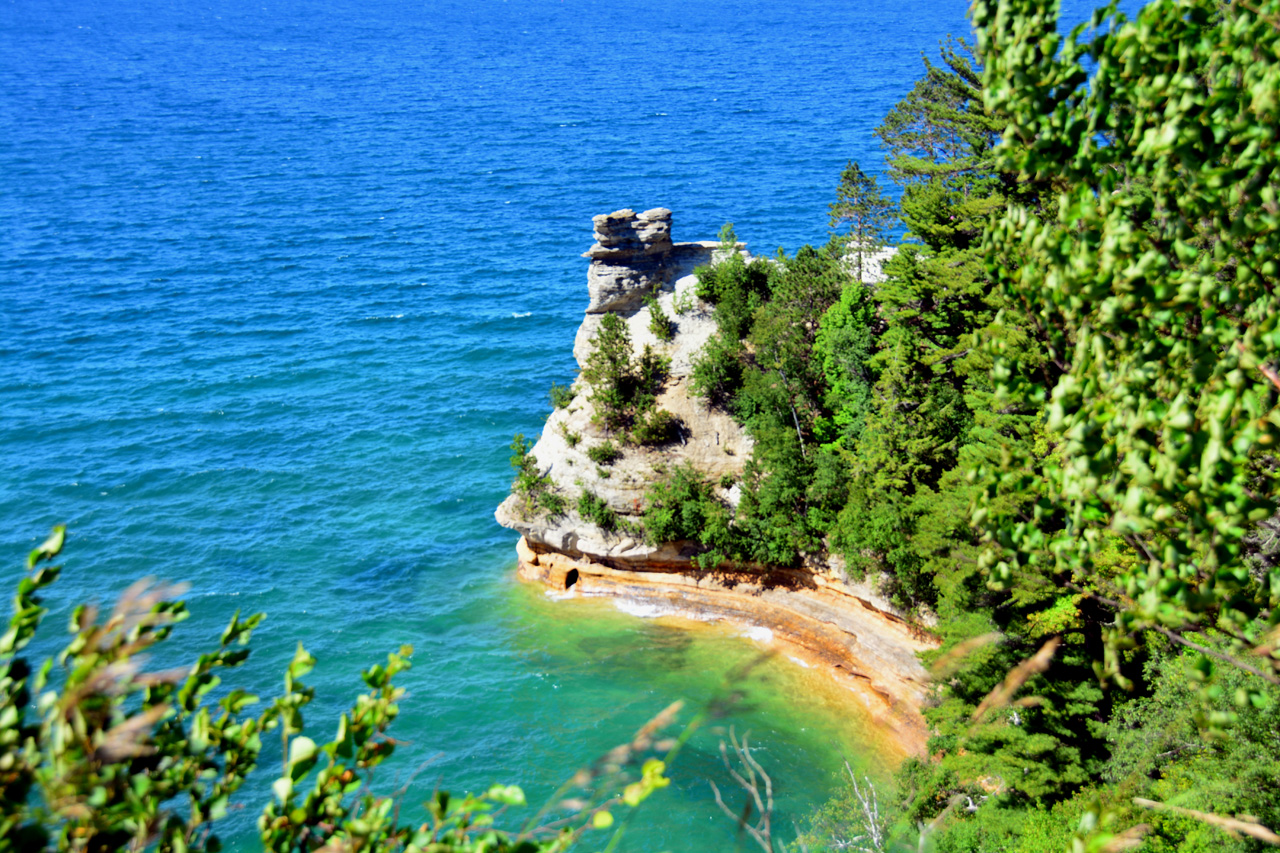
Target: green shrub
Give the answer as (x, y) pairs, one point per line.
(551, 503)
(682, 506)
(735, 287)
(651, 371)
(571, 437)
(659, 323)
(717, 371)
(683, 302)
(596, 510)
(536, 491)
(561, 395)
(654, 427)
(604, 454)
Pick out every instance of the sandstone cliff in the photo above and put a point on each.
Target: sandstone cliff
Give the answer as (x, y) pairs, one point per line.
(816, 612)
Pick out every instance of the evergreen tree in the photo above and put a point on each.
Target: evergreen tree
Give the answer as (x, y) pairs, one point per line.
(624, 391)
(843, 348)
(927, 384)
(869, 216)
(608, 372)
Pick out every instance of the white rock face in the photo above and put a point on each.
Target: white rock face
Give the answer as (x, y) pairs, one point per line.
(711, 441)
(843, 626)
(693, 328)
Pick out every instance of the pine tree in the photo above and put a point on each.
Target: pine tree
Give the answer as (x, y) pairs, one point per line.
(868, 213)
(608, 372)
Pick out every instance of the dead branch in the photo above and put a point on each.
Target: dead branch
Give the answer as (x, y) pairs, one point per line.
(1231, 824)
(871, 822)
(750, 780)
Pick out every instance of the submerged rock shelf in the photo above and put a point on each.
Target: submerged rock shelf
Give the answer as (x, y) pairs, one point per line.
(822, 621)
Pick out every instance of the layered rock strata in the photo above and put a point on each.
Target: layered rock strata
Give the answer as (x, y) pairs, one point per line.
(816, 613)
(633, 254)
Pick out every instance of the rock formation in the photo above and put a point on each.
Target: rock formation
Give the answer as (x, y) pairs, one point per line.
(816, 611)
(634, 255)
(711, 440)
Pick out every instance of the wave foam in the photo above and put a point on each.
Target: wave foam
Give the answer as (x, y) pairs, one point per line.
(641, 609)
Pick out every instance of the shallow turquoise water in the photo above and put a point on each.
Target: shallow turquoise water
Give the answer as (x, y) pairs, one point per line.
(279, 281)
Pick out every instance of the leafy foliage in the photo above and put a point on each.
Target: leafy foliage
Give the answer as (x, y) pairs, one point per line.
(735, 287)
(534, 489)
(655, 426)
(561, 395)
(1133, 448)
(121, 757)
(113, 751)
(1153, 277)
(112, 756)
(683, 507)
(604, 453)
(1052, 422)
(596, 510)
(844, 345)
(659, 323)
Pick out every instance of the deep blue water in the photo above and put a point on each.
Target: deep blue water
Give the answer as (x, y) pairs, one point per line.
(278, 281)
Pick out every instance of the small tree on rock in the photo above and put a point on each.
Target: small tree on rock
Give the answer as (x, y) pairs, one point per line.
(624, 391)
(867, 211)
(608, 371)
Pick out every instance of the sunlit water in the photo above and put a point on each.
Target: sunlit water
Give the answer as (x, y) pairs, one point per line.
(278, 281)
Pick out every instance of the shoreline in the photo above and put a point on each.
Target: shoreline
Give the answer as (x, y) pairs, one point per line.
(820, 625)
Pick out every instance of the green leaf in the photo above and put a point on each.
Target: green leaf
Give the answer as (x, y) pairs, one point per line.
(510, 795)
(50, 548)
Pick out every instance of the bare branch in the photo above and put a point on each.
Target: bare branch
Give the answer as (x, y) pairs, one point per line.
(871, 823)
(750, 781)
(1231, 824)
(1205, 650)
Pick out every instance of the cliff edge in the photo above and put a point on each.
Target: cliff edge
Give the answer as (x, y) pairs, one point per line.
(814, 613)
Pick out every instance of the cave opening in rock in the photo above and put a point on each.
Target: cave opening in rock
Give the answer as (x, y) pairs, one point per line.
(570, 578)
